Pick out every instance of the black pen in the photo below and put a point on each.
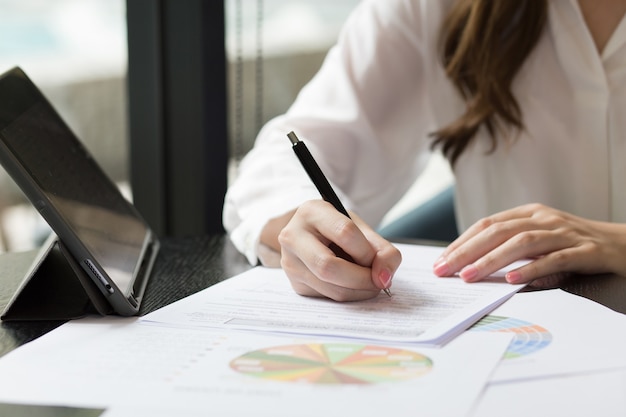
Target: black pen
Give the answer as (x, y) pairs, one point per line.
(318, 178)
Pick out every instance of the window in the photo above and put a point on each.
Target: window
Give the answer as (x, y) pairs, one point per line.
(75, 52)
(273, 48)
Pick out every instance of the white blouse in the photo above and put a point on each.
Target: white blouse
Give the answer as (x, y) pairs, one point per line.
(367, 114)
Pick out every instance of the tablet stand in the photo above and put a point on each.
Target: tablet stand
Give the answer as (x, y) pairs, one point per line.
(53, 286)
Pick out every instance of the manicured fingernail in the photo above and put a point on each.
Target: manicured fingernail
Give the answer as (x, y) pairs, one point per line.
(441, 267)
(513, 277)
(384, 277)
(469, 273)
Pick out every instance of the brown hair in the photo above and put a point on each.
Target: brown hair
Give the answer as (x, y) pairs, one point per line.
(484, 44)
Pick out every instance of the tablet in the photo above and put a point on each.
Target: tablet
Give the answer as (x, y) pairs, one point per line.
(102, 230)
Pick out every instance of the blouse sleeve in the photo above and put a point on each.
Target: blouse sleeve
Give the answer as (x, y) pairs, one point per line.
(364, 117)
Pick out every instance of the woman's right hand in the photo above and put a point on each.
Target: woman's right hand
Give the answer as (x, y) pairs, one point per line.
(314, 269)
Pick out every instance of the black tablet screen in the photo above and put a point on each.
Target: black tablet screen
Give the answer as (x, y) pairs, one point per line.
(78, 190)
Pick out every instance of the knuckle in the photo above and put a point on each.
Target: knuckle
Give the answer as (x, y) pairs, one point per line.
(560, 260)
(538, 209)
(570, 234)
(525, 239)
(534, 207)
(343, 229)
(498, 229)
(592, 248)
(485, 223)
(285, 237)
(324, 265)
(554, 220)
(308, 207)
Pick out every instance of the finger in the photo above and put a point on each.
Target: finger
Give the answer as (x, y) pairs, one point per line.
(522, 212)
(479, 245)
(346, 235)
(512, 238)
(323, 219)
(387, 257)
(386, 262)
(558, 263)
(333, 292)
(546, 282)
(524, 245)
(323, 265)
(307, 283)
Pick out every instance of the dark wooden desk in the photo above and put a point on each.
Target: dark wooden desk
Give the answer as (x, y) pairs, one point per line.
(183, 267)
(186, 266)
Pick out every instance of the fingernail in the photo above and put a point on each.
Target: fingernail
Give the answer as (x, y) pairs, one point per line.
(513, 277)
(384, 277)
(469, 273)
(441, 267)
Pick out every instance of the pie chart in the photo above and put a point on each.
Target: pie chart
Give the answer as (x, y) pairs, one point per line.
(528, 337)
(332, 363)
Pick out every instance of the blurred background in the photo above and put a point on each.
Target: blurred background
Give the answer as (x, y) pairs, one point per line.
(76, 52)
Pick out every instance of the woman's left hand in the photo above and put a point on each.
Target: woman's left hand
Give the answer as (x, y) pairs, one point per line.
(555, 241)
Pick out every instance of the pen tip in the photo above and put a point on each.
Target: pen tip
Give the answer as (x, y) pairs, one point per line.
(387, 291)
(292, 137)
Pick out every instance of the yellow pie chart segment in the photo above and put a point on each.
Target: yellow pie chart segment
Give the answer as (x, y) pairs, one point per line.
(333, 363)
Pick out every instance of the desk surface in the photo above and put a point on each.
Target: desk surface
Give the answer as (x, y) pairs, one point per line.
(188, 265)
(183, 267)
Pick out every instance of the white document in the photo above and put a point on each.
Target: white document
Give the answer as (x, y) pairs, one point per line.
(423, 309)
(590, 394)
(123, 366)
(557, 333)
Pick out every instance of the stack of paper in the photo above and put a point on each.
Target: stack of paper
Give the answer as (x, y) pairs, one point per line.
(424, 309)
(566, 358)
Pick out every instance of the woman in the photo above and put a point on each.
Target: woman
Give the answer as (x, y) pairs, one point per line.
(523, 98)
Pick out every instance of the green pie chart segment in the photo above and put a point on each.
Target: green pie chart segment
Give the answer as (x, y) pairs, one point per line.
(333, 363)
